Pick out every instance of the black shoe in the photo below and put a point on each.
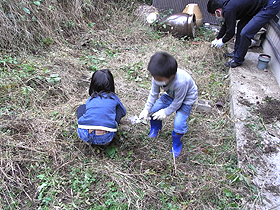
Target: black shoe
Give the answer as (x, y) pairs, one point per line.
(232, 64)
(229, 55)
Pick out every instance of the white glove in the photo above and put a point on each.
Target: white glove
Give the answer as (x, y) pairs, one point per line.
(213, 43)
(159, 115)
(144, 114)
(219, 43)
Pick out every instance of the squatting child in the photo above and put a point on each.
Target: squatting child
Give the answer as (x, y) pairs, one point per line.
(99, 117)
(180, 95)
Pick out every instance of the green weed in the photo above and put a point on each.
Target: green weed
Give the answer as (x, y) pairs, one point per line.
(135, 73)
(42, 158)
(93, 62)
(53, 78)
(206, 34)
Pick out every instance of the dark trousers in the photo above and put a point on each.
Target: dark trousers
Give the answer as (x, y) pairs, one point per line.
(247, 28)
(82, 109)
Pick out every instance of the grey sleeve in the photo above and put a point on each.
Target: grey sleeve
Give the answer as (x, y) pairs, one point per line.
(180, 95)
(153, 96)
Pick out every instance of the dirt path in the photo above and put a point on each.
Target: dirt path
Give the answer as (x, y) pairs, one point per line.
(255, 111)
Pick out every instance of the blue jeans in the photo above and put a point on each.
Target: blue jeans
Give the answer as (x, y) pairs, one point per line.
(95, 139)
(182, 114)
(247, 28)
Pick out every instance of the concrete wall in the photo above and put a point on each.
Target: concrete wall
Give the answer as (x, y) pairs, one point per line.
(271, 46)
(274, 64)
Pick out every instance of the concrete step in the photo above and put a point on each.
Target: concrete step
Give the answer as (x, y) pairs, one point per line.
(255, 92)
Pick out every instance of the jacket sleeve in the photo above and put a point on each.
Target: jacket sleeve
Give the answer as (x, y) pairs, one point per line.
(229, 25)
(120, 108)
(222, 31)
(153, 96)
(180, 94)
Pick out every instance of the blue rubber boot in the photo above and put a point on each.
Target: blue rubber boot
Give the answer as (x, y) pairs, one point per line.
(177, 144)
(155, 128)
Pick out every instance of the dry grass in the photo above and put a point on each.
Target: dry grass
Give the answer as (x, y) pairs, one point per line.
(31, 24)
(44, 165)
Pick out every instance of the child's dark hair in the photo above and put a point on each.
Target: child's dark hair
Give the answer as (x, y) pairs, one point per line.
(102, 81)
(162, 64)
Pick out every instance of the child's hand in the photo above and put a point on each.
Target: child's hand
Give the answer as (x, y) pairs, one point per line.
(144, 115)
(159, 115)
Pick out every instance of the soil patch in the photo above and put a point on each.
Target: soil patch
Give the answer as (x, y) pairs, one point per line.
(269, 111)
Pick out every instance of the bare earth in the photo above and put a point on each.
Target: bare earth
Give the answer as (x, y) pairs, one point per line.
(255, 110)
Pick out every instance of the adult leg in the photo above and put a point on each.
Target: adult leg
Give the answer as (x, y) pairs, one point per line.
(253, 26)
(240, 25)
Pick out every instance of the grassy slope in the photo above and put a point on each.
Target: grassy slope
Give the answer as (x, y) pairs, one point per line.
(44, 165)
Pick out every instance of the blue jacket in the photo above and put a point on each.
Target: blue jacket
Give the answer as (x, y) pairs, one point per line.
(101, 113)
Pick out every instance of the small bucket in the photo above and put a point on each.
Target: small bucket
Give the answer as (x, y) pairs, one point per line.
(263, 61)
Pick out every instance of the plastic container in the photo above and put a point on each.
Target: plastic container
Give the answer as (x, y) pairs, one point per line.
(152, 17)
(207, 25)
(263, 61)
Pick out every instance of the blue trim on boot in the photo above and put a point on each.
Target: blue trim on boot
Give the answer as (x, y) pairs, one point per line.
(155, 128)
(177, 144)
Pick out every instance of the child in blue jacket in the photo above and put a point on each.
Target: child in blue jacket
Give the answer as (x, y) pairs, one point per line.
(99, 117)
(180, 95)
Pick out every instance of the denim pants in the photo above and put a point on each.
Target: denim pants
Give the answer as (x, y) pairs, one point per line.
(248, 27)
(182, 114)
(92, 137)
(95, 139)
